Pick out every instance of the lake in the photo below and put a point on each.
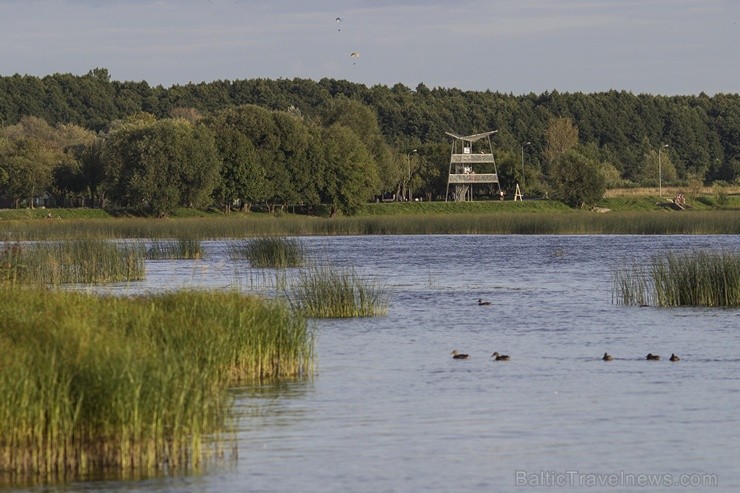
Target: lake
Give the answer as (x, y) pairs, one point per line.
(389, 410)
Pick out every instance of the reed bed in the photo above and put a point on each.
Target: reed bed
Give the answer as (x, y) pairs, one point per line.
(129, 387)
(82, 261)
(256, 225)
(270, 251)
(328, 292)
(631, 285)
(179, 249)
(708, 279)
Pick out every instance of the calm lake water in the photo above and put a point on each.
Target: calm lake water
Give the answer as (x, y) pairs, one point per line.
(390, 410)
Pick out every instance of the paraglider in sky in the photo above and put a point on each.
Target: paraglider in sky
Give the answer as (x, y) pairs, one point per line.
(339, 21)
(355, 54)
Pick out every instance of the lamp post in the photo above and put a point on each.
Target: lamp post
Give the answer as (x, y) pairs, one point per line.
(660, 171)
(408, 174)
(525, 144)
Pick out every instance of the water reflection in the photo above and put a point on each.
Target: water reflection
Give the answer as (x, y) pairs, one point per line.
(271, 399)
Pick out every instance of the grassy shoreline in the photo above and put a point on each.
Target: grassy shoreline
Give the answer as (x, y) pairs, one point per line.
(630, 211)
(255, 225)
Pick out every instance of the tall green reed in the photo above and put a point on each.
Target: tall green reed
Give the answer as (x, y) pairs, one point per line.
(329, 292)
(131, 386)
(568, 222)
(631, 285)
(710, 279)
(184, 248)
(270, 251)
(80, 261)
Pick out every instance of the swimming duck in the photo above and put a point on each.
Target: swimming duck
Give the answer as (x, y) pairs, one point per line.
(674, 357)
(456, 355)
(652, 357)
(607, 357)
(500, 357)
(481, 302)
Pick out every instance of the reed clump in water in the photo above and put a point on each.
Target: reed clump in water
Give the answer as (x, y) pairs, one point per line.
(130, 386)
(710, 279)
(270, 251)
(179, 249)
(328, 292)
(80, 261)
(631, 285)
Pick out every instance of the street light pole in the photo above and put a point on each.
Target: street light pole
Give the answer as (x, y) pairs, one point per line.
(660, 171)
(525, 144)
(408, 174)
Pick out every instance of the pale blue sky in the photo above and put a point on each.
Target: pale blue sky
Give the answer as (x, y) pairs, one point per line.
(513, 46)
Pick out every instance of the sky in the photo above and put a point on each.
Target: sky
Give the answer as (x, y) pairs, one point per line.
(660, 47)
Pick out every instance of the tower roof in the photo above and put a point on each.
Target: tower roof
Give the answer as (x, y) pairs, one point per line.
(472, 138)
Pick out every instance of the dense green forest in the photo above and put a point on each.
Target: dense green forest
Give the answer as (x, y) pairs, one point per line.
(90, 140)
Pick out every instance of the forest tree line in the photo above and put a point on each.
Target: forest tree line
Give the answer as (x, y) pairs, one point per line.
(92, 140)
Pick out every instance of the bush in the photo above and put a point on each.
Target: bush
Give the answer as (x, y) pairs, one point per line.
(576, 180)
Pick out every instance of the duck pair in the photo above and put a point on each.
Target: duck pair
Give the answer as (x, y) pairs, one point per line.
(496, 356)
(649, 357)
(656, 357)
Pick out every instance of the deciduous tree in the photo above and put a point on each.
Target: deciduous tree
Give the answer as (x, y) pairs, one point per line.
(161, 165)
(576, 180)
(350, 173)
(561, 136)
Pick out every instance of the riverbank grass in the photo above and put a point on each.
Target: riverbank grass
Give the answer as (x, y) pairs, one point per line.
(507, 220)
(709, 279)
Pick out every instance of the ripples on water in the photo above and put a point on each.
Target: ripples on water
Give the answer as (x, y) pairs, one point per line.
(391, 411)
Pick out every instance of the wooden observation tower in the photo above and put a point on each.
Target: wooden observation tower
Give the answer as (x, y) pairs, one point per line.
(467, 151)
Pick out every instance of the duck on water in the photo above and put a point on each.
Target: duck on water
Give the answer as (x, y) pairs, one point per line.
(457, 355)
